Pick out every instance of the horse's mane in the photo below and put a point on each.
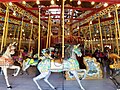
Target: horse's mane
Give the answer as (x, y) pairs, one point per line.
(68, 51)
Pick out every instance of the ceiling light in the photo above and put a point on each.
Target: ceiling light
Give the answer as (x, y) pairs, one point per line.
(79, 2)
(70, 0)
(118, 5)
(92, 2)
(37, 1)
(51, 33)
(31, 21)
(105, 4)
(90, 22)
(14, 13)
(43, 27)
(23, 34)
(23, 2)
(22, 30)
(10, 33)
(52, 2)
(77, 27)
(10, 3)
(68, 33)
(109, 15)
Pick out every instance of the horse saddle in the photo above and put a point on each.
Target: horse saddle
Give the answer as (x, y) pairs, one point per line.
(6, 61)
(56, 64)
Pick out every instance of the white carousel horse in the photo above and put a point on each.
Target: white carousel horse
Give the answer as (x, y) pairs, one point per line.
(7, 62)
(46, 66)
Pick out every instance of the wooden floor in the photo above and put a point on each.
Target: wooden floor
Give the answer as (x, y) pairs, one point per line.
(24, 82)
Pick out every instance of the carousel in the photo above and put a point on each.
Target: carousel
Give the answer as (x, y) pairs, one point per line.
(78, 38)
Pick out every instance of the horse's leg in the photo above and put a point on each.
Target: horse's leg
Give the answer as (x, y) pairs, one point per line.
(77, 78)
(42, 75)
(117, 84)
(6, 77)
(114, 81)
(46, 80)
(82, 70)
(15, 67)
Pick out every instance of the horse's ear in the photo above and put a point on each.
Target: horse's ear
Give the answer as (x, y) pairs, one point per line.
(10, 44)
(16, 44)
(78, 45)
(13, 43)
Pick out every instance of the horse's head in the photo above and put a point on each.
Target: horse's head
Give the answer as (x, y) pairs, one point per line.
(45, 51)
(76, 50)
(11, 48)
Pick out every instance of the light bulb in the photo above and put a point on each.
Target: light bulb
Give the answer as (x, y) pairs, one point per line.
(105, 4)
(118, 5)
(10, 3)
(38, 2)
(31, 21)
(90, 22)
(92, 2)
(43, 27)
(77, 27)
(109, 15)
(79, 2)
(23, 2)
(52, 2)
(14, 13)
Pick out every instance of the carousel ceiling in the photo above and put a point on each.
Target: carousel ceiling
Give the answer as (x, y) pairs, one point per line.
(77, 14)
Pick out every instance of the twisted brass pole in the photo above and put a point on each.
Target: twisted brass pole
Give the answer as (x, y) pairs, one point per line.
(101, 39)
(62, 28)
(4, 27)
(21, 28)
(30, 37)
(39, 31)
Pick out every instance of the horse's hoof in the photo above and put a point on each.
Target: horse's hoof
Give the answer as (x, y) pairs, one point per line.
(14, 75)
(55, 88)
(10, 87)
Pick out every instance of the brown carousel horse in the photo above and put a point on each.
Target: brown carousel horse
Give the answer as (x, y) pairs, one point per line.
(7, 62)
(115, 67)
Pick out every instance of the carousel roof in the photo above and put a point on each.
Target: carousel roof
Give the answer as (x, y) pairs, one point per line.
(78, 13)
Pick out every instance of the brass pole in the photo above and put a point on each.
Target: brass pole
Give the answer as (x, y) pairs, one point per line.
(91, 37)
(18, 35)
(111, 37)
(78, 35)
(3, 36)
(105, 37)
(62, 8)
(117, 19)
(48, 31)
(30, 36)
(116, 34)
(6, 33)
(21, 34)
(14, 33)
(39, 31)
(101, 39)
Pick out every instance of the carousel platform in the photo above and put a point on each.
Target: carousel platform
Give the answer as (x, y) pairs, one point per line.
(24, 82)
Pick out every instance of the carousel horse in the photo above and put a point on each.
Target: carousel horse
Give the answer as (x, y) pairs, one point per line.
(115, 67)
(7, 62)
(47, 65)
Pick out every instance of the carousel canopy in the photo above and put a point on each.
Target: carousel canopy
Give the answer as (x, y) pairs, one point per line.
(77, 15)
